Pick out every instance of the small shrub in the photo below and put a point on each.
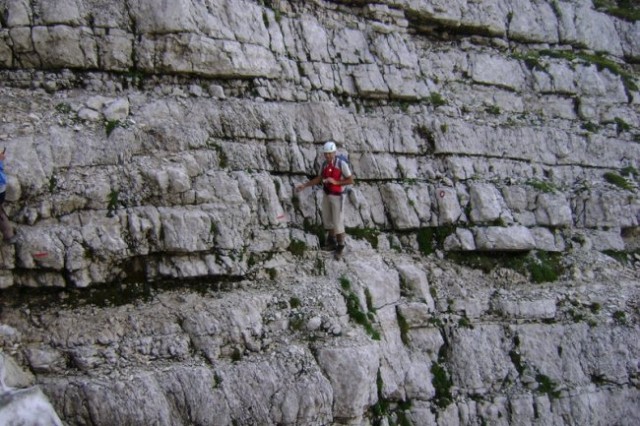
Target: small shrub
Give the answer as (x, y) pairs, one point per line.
(629, 171)
(545, 267)
(576, 315)
(436, 99)
(112, 202)
(464, 322)
(354, 311)
(296, 322)
(546, 385)
(425, 241)
(236, 355)
(297, 247)
(345, 284)
(620, 317)
(53, 183)
(111, 125)
(541, 185)
(442, 385)
(273, 273)
(590, 127)
(217, 381)
(621, 125)
(493, 109)
(294, 302)
(63, 108)
(426, 134)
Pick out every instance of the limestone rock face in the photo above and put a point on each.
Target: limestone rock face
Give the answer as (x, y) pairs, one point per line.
(20, 405)
(166, 271)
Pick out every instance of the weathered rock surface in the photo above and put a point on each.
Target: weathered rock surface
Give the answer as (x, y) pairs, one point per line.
(166, 273)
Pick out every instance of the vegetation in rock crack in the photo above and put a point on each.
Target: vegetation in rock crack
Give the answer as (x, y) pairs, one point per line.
(493, 109)
(620, 317)
(110, 126)
(539, 266)
(464, 322)
(436, 99)
(442, 384)
(542, 186)
(599, 60)
(623, 9)
(547, 386)
(368, 234)
(388, 412)
(113, 202)
(294, 302)
(621, 125)
(297, 247)
(589, 127)
(617, 180)
(404, 327)
(432, 238)
(355, 312)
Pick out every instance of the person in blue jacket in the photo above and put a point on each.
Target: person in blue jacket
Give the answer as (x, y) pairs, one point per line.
(5, 226)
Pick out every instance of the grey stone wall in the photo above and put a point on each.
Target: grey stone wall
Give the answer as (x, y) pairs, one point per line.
(159, 143)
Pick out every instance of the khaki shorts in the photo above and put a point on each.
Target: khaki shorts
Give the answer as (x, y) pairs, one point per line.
(332, 213)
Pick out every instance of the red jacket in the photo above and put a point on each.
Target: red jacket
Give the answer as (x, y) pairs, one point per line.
(332, 170)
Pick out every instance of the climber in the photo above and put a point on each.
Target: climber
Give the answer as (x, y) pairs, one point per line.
(5, 227)
(335, 173)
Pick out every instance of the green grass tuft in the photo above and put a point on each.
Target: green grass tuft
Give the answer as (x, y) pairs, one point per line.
(368, 234)
(436, 99)
(297, 247)
(541, 185)
(442, 385)
(617, 180)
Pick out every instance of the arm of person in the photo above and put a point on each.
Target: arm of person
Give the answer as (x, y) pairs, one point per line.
(311, 182)
(341, 182)
(346, 181)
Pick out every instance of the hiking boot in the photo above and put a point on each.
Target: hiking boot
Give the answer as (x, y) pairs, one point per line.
(329, 245)
(339, 251)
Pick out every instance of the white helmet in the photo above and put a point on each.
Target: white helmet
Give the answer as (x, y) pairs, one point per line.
(329, 147)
